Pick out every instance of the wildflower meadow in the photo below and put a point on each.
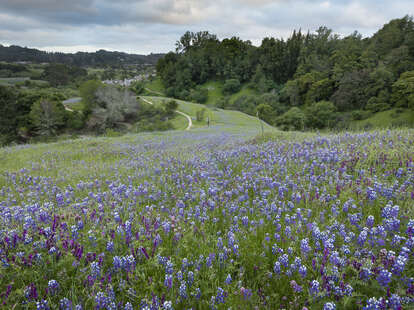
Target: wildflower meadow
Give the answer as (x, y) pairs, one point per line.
(209, 220)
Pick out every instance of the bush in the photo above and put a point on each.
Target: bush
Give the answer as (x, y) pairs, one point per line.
(359, 115)
(320, 114)
(223, 102)
(294, 119)
(199, 95)
(200, 115)
(171, 106)
(231, 86)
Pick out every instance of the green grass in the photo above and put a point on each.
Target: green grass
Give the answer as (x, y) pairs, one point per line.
(156, 86)
(245, 91)
(386, 119)
(215, 92)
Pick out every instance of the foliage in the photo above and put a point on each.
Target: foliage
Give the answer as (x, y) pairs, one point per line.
(231, 86)
(60, 74)
(88, 91)
(320, 114)
(47, 116)
(403, 90)
(137, 87)
(199, 95)
(293, 119)
(352, 72)
(200, 115)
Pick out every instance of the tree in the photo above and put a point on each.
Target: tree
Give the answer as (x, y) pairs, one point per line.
(294, 119)
(231, 86)
(60, 74)
(87, 91)
(320, 114)
(200, 114)
(137, 87)
(403, 90)
(9, 114)
(171, 106)
(266, 113)
(47, 116)
(351, 93)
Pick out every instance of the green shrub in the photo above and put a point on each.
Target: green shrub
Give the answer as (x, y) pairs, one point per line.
(200, 115)
(294, 119)
(359, 115)
(231, 86)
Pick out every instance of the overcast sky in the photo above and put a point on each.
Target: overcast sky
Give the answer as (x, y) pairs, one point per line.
(145, 26)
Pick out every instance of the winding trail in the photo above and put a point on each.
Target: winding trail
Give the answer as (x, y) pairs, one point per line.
(190, 122)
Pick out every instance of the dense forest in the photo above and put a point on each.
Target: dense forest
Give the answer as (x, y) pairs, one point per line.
(97, 59)
(310, 80)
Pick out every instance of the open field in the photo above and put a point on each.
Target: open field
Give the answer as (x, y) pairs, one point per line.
(209, 218)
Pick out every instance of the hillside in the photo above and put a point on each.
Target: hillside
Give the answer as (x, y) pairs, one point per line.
(309, 81)
(100, 58)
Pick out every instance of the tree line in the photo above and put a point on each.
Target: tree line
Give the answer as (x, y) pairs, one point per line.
(99, 58)
(309, 80)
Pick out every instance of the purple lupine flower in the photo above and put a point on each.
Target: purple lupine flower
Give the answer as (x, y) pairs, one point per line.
(42, 305)
(228, 279)
(167, 305)
(246, 293)
(95, 270)
(221, 296)
(296, 287)
(168, 282)
(276, 268)
(399, 265)
(304, 246)
(101, 301)
(370, 221)
(329, 306)
(303, 271)
(65, 304)
(53, 287)
(384, 277)
(183, 290)
(314, 287)
(373, 304)
(394, 302)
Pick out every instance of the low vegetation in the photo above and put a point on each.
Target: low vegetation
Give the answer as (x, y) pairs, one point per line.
(210, 220)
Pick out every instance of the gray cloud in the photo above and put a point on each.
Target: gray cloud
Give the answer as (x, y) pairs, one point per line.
(154, 25)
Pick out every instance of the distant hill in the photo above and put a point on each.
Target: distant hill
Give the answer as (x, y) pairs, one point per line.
(15, 53)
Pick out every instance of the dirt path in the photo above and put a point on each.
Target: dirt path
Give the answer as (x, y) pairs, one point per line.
(190, 122)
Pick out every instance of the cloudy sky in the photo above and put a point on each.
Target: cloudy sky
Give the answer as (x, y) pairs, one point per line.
(144, 26)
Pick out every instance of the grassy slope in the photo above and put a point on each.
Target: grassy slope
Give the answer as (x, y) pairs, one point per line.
(155, 85)
(215, 92)
(226, 119)
(387, 119)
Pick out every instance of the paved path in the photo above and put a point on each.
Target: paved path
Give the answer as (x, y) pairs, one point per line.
(190, 122)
